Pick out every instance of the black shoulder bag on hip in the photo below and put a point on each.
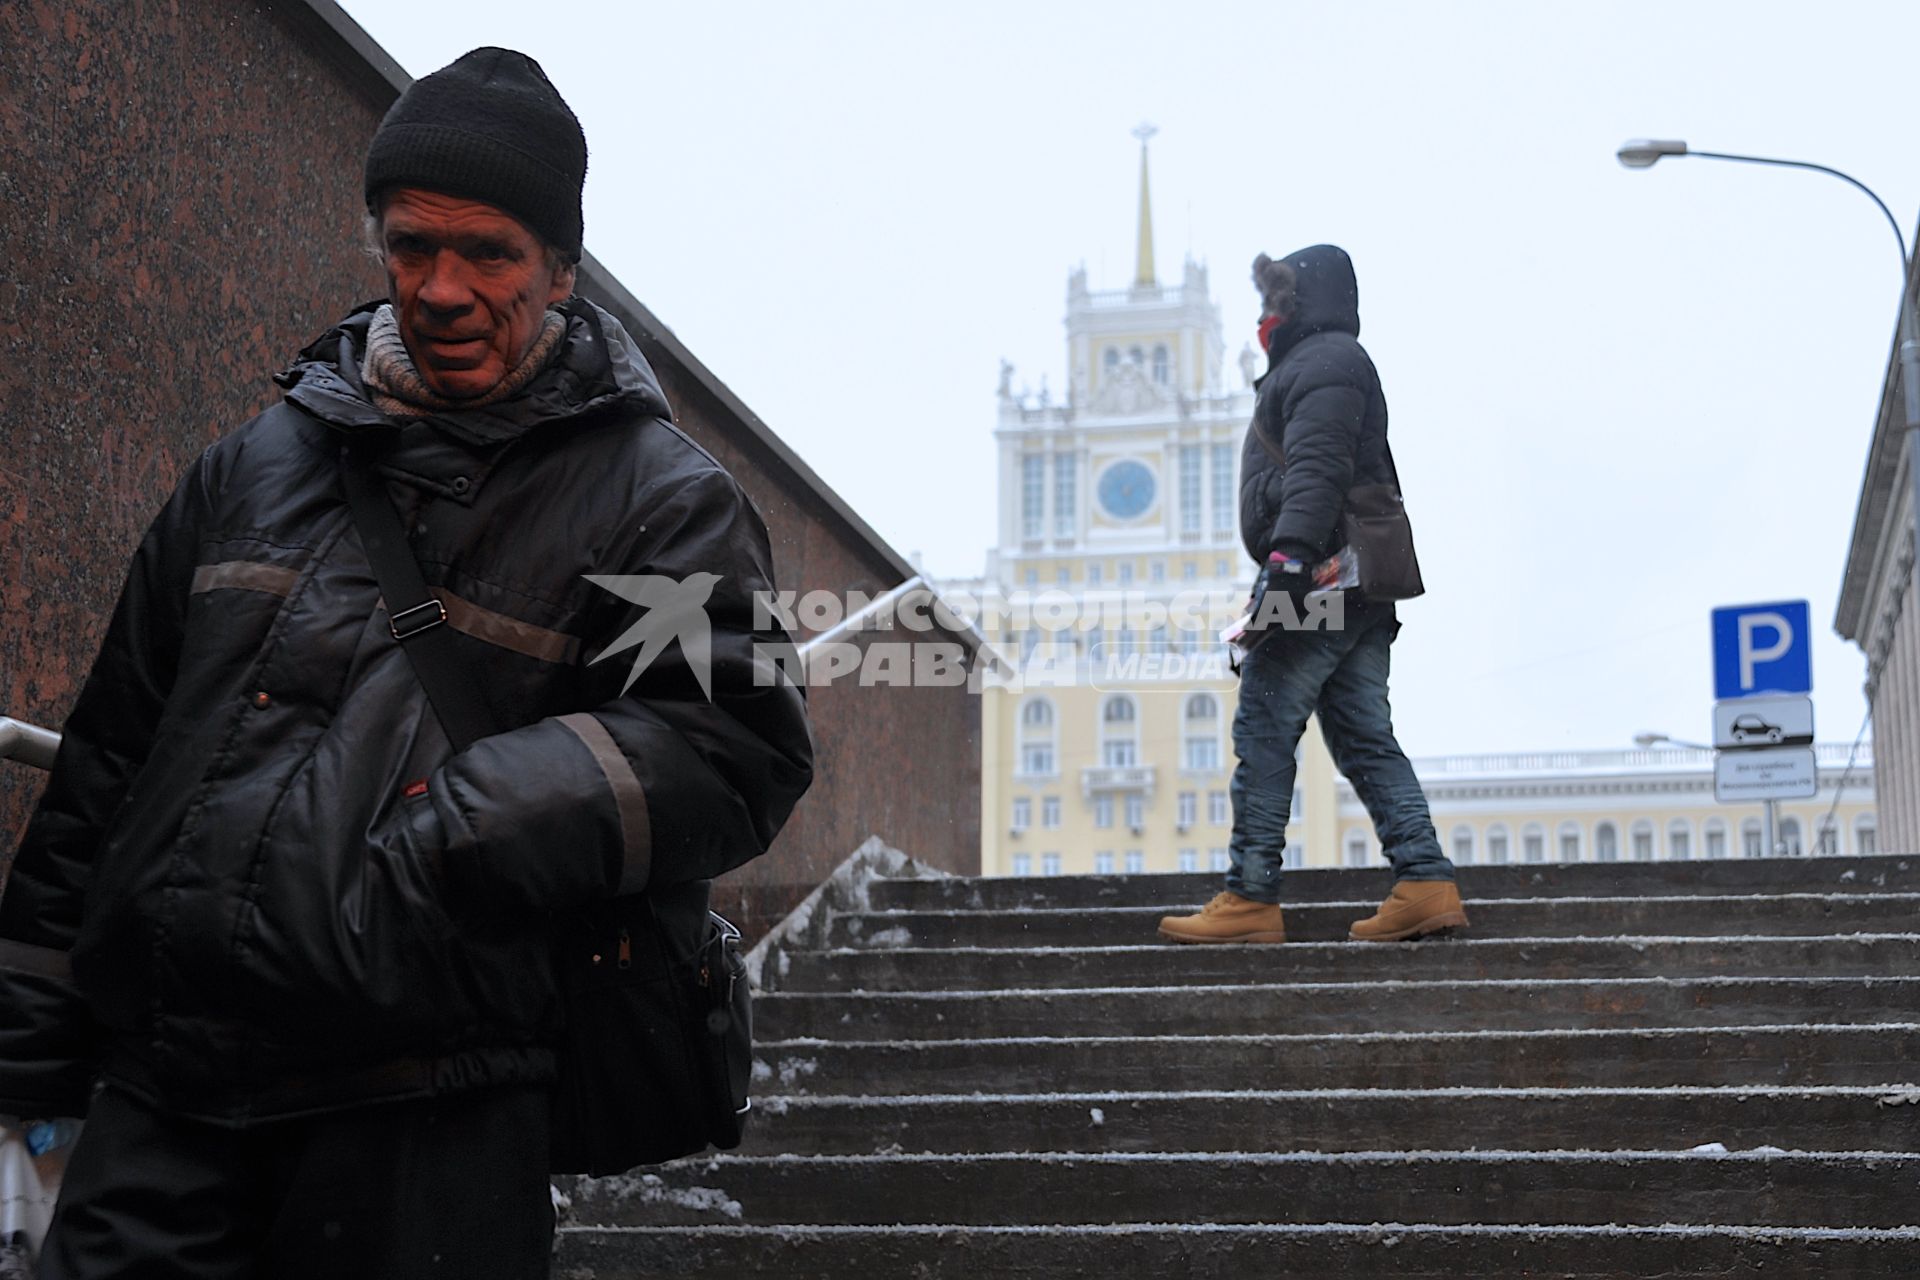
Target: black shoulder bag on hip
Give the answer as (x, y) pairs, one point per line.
(1373, 521)
(657, 1050)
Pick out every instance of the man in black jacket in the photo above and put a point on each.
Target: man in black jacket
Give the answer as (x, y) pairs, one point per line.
(1319, 429)
(310, 942)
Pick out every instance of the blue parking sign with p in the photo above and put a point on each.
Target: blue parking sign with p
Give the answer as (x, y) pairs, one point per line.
(1762, 648)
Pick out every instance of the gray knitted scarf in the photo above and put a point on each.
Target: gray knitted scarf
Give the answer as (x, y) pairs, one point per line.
(399, 391)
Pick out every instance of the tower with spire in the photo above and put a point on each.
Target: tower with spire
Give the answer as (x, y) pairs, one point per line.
(1122, 494)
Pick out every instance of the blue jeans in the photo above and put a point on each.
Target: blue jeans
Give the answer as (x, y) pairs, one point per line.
(1342, 675)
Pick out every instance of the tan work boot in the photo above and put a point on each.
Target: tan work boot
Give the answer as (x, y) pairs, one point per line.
(1414, 908)
(1228, 918)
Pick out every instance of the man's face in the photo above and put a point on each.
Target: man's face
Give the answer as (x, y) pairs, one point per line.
(470, 284)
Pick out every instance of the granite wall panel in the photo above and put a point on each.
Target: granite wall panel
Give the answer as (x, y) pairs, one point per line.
(179, 213)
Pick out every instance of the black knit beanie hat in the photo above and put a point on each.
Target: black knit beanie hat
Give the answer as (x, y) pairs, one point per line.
(490, 126)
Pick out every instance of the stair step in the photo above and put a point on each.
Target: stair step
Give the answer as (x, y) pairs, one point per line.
(1032, 968)
(1883, 873)
(1416, 1251)
(1835, 1189)
(1876, 1118)
(1324, 1008)
(1794, 1054)
(1680, 915)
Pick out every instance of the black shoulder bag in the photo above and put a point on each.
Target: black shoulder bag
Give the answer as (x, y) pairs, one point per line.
(1374, 523)
(657, 1051)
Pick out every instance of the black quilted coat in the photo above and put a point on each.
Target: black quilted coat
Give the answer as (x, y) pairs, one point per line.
(1320, 402)
(281, 889)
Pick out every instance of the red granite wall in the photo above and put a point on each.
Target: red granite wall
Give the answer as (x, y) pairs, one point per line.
(179, 212)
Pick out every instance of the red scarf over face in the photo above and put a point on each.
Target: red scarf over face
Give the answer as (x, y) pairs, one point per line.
(1267, 325)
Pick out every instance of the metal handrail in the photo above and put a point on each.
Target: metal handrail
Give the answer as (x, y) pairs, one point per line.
(914, 590)
(28, 743)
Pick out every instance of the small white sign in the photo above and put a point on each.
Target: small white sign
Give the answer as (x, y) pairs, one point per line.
(1741, 724)
(1775, 773)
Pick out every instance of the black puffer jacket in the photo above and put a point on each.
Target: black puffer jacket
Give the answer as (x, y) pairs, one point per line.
(282, 890)
(1320, 402)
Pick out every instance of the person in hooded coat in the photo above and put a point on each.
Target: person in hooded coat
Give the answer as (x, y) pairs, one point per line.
(310, 943)
(1319, 430)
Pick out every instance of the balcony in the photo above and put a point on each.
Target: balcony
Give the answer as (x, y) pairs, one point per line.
(1132, 777)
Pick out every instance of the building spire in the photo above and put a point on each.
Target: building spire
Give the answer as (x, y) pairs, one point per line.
(1143, 265)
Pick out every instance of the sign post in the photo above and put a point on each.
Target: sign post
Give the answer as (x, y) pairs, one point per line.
(1763, 721)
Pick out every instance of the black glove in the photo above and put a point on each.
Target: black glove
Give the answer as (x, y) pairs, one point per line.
(1290, 575)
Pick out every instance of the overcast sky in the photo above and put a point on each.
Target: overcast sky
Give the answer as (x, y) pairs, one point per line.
(1618, 398)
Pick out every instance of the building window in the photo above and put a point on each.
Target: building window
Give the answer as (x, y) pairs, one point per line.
(1119, 733)
(1093, 574)
(1111, 360)
(1103, 811)
(1224, 506)
(1037, 740)
(1533, 843)
(1606, 843)
(1218, 860)
(1191, 515)
(1033, 577)
(1022, 813)
(1124, 573)
(1203, 706)
(1136, 862)
(1750, 838)
(1161, 365)
(1463, 846)
(1497, 845)
(1050, 812)
(1103, 863)
(1157, 571)
(1217, 808)
(1033, 494)
(1293, 857)
(1189, 571)
(1221, 569)
(1643, 841)
(1866, 835)
(1065, 512)
(1186, 807)
(1136, 811)
(1296, 812)
(1827, 843)
(1189, 859)
(1049, 864)
(1716, 839)
(1201, 755)
(1679, 840)
(1023, 864)
(1063, 576)
(1790, 837)
(1356, 850)
(1569, 842)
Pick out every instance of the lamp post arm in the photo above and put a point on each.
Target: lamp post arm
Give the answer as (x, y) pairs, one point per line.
(1892, 221)
(1909, 322)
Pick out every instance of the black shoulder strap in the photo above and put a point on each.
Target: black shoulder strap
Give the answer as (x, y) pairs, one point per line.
(415, 616)
(1267, 442)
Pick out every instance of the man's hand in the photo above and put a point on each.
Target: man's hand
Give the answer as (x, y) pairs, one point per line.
(1289, 576)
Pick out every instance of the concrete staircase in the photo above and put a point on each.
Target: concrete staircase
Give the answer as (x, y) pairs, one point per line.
(1693, 1069)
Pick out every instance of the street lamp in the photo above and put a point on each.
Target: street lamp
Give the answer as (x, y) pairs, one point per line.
(1644, 153)
(1654, 739)
(1770, 813)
